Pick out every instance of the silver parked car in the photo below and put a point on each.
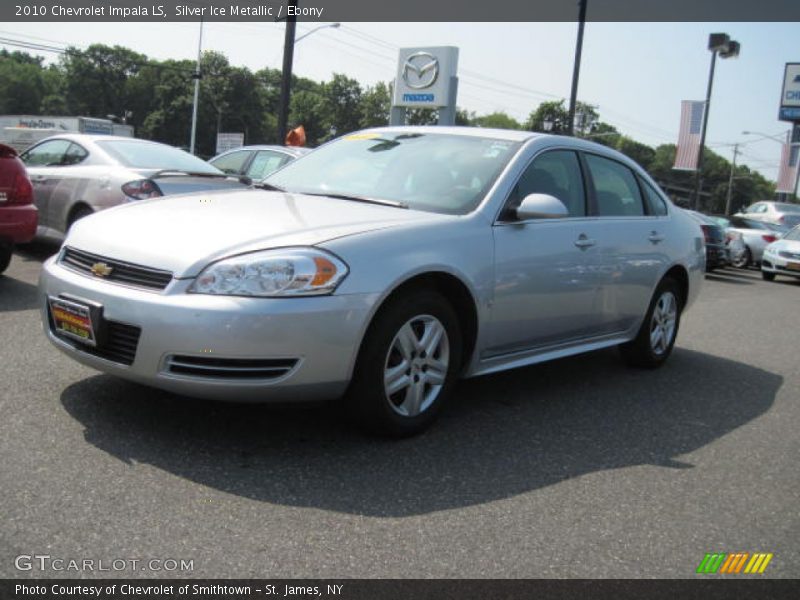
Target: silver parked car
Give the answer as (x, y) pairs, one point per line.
(75, 175)
(778, 213)
(782, 257)
(756, 236)
(253, 163)
(381, 267)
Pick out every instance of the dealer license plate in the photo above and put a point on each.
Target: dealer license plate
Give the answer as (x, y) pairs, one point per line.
(73, 319)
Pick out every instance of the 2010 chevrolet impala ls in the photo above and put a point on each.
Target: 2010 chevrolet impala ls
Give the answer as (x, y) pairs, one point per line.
(379, 269)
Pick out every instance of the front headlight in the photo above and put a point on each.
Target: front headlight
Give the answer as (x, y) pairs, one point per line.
(272, 273)
(771, 249)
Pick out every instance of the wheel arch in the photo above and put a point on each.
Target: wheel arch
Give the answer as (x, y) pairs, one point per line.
(453, 289)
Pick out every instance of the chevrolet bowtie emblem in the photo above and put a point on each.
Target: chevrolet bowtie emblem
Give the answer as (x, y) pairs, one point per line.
(101, 269)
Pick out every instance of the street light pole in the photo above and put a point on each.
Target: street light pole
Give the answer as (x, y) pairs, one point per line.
(196, 76)
(726, 47)
(576, 69)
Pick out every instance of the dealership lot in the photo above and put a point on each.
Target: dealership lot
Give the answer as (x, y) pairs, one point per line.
(576, 468)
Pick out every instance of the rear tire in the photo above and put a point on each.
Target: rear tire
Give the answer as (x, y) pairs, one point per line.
(768, 276)
(744, 260)
(656, 338)
(6, 250)
(407, 365)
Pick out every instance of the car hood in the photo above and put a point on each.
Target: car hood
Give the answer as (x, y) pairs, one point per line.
(182, 234)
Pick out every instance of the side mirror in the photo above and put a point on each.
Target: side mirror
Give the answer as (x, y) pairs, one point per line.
(245, 180)
(541, 206)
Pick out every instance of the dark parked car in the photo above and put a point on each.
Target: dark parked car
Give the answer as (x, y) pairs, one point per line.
(18, 215)
(716, 248)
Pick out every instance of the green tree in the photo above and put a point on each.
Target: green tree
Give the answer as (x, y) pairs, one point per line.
(376, 102)
(96, 79)
(23, 87)
(497, 120)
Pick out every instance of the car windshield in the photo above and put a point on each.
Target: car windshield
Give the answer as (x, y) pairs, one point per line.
(787, 208)
(141, 154)
(747, 223)
(425, 171)
(793, 235)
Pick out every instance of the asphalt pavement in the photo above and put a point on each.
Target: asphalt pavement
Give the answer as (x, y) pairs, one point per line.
(576, 468)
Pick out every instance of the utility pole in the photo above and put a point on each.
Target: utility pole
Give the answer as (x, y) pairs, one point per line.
(698, 177)
(286, 74)
(730, 181)
(576, 69)
(196, 76)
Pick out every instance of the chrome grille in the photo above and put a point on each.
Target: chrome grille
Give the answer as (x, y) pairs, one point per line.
(230, 368)
(121, 272)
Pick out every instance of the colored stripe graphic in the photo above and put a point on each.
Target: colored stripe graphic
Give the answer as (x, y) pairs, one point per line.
(722, 562)
(711, 563)
(758, 563)
(735, 562)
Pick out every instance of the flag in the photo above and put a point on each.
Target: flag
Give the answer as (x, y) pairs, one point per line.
(689, 135)
(788, 171)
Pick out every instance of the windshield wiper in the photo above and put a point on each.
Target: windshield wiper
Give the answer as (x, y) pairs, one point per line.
(395, 203)
(268, 186)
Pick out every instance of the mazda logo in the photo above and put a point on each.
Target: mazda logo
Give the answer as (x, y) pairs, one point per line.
(420, 70)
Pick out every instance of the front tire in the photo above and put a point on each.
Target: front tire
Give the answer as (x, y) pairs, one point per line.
(407, 365)
(768, 276)
(656, 338)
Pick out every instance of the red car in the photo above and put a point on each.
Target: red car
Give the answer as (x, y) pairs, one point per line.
(18, 215)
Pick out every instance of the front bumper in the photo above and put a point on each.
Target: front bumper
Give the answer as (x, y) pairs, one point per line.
(716, 256)
(319, 336)
(772, 263)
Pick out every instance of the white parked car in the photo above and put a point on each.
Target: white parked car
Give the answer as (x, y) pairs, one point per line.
(782, 257)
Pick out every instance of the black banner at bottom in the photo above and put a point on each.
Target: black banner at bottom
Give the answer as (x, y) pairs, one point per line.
(399, 589)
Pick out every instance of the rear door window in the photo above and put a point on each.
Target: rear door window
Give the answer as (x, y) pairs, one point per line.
(656, 205)
(615, 187)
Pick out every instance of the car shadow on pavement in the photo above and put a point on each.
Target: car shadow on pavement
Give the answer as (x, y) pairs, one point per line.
(16, 294)
(736, 279)
(38, 251)
(503, 435)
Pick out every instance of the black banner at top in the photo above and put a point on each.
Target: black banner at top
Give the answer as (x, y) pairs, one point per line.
(398, 10)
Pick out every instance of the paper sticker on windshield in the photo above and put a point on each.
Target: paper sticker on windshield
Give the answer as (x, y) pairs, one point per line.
(496, 149)
(362, 136)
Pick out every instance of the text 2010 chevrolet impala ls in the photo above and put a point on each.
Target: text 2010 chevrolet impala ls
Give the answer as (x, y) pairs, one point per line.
(380, 268)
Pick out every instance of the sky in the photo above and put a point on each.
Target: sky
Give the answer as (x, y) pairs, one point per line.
(636, 74)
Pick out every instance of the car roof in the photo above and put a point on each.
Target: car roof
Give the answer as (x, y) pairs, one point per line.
(293, 150)
(92, 137)
(510, 135)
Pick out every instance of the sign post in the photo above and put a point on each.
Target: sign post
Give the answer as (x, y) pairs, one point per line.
(426, 78)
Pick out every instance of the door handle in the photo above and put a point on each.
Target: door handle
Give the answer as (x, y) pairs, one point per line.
(583, 242)
(655, 237)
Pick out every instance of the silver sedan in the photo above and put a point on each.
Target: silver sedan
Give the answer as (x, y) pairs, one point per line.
(381, 267)
(75, 175)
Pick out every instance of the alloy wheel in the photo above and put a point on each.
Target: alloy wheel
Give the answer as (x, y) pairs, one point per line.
(662, 323)
(416, 365)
